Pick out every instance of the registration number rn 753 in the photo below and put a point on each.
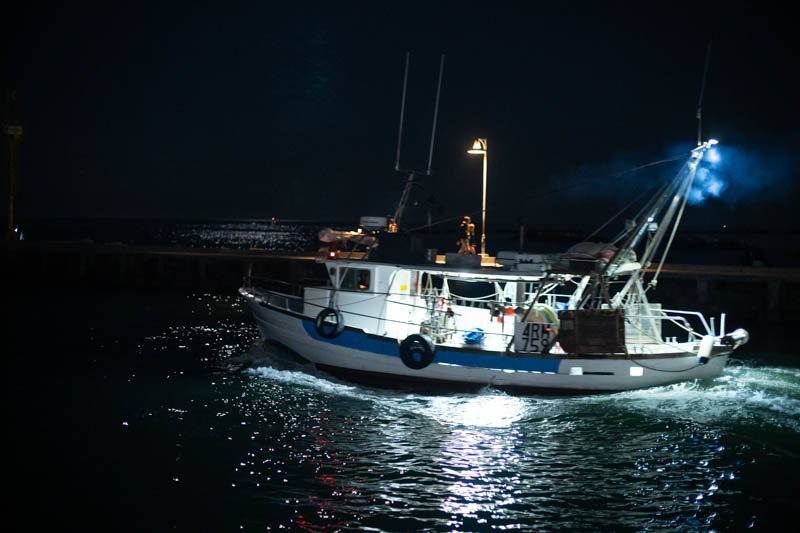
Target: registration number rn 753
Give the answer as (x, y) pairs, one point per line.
(533, 337)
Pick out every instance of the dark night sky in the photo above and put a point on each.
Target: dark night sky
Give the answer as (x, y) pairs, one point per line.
(247, 110)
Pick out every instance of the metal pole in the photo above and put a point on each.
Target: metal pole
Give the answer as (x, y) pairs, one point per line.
(12, 171)
(435, 114)
(402, 111)
(700, 100)
(483, 211)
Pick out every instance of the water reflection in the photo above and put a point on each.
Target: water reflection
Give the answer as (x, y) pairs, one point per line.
(490, 409)
(482, 474)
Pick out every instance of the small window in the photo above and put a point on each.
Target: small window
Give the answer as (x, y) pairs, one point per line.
(356, 279)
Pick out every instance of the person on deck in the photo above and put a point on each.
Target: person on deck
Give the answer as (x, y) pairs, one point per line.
(466, 231)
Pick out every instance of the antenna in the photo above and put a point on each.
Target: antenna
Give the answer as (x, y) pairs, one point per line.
(402, 112)
(700, 101)
(435, 114)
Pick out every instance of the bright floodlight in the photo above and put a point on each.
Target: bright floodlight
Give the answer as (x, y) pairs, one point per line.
(712, 142)
(477, 147)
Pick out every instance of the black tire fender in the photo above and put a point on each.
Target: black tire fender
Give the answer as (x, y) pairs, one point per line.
(417, 351)
(327, 328)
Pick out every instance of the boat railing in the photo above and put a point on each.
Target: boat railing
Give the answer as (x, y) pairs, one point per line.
(698, 315)
(289, 302)
(282, 300)
(289, 296)
(286, 287)
(635, 321)
(278, 299)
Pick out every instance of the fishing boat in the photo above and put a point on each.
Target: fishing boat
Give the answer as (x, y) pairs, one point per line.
(581, 321)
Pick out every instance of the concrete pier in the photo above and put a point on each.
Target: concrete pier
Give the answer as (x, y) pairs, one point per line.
(755, 293)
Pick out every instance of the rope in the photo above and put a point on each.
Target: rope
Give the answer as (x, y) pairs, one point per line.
(475, 299)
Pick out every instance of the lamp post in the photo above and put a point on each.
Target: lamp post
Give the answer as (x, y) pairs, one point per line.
(479, 147)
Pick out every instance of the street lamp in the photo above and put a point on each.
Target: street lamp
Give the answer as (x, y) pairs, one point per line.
(479, 147)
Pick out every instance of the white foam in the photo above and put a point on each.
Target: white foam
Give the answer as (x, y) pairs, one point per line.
(743, 394)
(487, 409)
(765, 395)
(303, 379)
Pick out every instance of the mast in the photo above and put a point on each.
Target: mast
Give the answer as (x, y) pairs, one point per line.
(402, 112)
(435, 114)
(401, 205)
(700, 100)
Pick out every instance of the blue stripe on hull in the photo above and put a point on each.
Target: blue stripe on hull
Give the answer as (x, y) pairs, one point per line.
(360, 341)
(354, 341)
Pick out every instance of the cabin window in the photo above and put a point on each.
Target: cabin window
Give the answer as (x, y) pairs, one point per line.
(356, 279)
(473, 293)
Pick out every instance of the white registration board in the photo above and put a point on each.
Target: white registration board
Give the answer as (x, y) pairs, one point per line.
(533, 337)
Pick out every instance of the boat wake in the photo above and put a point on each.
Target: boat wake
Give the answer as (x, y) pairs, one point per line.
(761, 396)
(486, 408)
(304, 379)
(764, 397)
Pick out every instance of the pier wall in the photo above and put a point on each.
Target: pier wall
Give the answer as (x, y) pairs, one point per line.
(90, 265)
(746, 294)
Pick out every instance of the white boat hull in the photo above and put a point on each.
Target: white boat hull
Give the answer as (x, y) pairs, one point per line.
(357, 352)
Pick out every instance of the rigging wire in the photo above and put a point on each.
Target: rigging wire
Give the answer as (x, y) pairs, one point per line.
(639, 214)
(610, 220)
(562, 189)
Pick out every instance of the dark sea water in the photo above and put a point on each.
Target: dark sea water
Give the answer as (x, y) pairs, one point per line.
(160, 411)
